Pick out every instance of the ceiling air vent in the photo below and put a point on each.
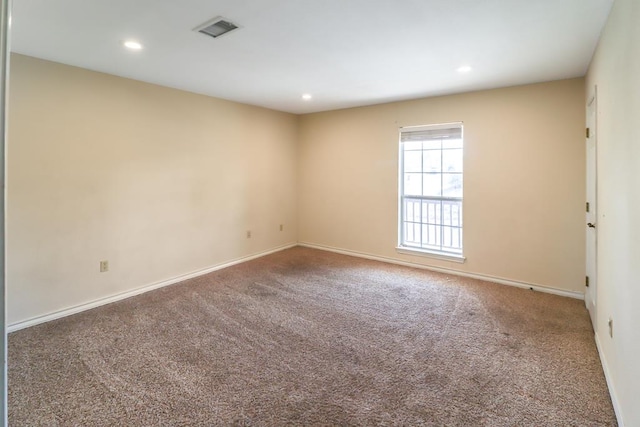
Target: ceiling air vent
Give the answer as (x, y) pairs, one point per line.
(216, 27)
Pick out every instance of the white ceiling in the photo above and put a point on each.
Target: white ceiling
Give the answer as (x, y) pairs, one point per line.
(345, 52)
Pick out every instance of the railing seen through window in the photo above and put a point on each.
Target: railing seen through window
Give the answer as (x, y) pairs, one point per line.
(431, 188)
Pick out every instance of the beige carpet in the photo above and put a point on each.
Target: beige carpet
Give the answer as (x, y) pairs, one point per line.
(306, 337)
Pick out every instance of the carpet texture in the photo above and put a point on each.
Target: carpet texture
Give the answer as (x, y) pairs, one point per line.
(307, 337)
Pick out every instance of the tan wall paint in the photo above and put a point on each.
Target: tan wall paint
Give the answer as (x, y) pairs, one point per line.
(157, 181)
(615, 70)
(524, 180)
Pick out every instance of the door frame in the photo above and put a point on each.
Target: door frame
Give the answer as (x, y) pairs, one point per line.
(5, 12)
(591, 187)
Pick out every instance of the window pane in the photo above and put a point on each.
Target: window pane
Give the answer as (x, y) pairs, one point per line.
(446, 214)
(413, 184)
(413, 161)
(451, 238)
(432, 161)
(452, 160)
(451, 214)
(431, 211)
(431, 235)
(412, 210)
(412, 145)
(432, 144)
(452, 143)
(456, 214)
(432, 184)
(407, 211)
(412, 234)
(452, 184)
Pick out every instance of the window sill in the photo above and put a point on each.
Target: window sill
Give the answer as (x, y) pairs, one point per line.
(429, 254)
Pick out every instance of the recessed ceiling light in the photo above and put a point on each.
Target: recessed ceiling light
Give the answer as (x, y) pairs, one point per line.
(133, 45)
(464, 69)
(306, 96)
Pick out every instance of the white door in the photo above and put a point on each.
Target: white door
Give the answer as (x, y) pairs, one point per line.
(590, 219)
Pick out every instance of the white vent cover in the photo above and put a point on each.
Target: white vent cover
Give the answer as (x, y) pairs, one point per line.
(216, 27)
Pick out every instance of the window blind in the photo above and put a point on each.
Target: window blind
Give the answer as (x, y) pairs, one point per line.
(425, 133)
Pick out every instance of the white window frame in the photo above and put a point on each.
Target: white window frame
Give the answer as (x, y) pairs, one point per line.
(446, 252)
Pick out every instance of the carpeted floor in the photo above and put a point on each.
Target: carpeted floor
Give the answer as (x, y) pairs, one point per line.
(306, 337)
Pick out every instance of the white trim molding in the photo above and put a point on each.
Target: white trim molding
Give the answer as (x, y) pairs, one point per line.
(144, 289)
(150, 287)
(428, 254)
(485, 277)
(607, 375)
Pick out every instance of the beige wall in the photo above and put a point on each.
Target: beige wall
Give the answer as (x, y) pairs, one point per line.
(615, 70)
(163, 183)
(524, 180)
(157, 181)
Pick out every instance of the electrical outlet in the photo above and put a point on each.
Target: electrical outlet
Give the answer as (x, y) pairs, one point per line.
(610, 323)
(248, 234)
(104, 266)
(281, 227)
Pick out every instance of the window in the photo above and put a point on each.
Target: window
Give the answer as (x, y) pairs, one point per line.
(431, 189)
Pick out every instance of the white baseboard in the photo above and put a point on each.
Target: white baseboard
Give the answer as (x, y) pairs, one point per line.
(607, 376)
(128, 294)
(500, 280)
